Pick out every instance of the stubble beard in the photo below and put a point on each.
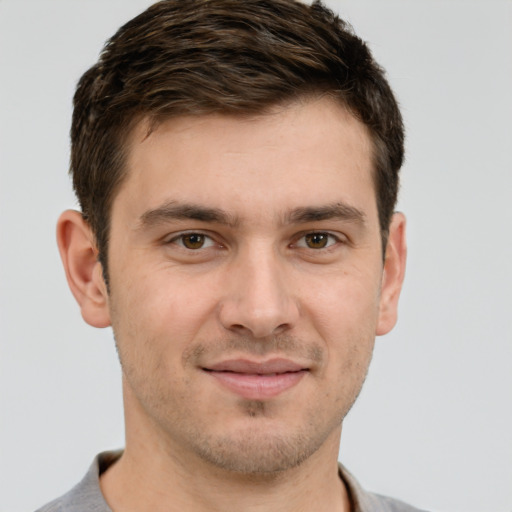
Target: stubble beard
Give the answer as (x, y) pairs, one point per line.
(255, 449)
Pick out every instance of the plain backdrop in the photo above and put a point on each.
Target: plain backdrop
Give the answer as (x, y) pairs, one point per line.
(433, 424)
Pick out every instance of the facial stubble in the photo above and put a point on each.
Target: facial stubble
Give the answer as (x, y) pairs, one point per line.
(261, 444)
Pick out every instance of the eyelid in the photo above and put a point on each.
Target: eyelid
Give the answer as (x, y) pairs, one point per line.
(175, 239)
(212, 241)
(335, 239)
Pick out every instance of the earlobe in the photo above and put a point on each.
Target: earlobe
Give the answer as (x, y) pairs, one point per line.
(393, 275)
(83, 270)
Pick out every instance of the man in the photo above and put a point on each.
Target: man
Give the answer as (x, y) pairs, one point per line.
(237, 167)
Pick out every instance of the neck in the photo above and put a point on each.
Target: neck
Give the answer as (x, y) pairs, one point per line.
(156, 482)
(158, 475)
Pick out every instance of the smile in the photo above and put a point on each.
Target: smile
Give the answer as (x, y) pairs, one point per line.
(257, 381)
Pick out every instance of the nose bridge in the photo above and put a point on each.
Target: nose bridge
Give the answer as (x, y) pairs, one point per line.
(259, 297)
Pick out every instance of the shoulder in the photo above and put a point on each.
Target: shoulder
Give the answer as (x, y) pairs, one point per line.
(57, 505)
(86, 495)
(66, 503)
(364, 501)
(387, 504)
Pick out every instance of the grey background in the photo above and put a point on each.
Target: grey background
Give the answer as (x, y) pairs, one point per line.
(433, 425)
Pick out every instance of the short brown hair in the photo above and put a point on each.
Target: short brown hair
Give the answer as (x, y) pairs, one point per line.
(237, 57)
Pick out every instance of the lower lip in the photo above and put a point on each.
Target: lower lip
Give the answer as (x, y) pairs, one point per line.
(257, 387)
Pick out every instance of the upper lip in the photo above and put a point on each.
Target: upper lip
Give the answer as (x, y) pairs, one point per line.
(247, 366)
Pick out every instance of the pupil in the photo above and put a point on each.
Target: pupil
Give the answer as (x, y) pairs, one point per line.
(316, 240)
(193, 241)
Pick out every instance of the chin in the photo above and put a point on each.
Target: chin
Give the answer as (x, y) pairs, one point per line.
(258, 446)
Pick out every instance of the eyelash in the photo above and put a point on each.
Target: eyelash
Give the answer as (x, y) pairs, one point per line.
(179, 240)
(331, 240)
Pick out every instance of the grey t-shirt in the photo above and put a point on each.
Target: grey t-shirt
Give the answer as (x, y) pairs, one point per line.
(86, 495)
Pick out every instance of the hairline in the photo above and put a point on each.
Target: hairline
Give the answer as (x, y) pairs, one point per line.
(154, 120)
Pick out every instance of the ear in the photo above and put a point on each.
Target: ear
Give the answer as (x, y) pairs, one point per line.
(392, 275)
(83, 270)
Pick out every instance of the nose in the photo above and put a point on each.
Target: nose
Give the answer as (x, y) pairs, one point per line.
(258, 299)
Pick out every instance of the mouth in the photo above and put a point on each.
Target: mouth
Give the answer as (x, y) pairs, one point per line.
(257, 380)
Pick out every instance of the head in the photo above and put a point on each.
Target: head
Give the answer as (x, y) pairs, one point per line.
(225, 56)
(237, 166)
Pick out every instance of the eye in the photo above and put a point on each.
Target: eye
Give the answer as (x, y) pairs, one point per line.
(193, 241)
(317, 240)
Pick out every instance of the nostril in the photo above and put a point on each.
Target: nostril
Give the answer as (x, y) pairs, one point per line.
(258, 332)
(280, 329)
(240, 329)
(247, 317)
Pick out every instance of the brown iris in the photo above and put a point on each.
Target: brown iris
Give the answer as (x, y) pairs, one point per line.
(193, 240)
(317, 240)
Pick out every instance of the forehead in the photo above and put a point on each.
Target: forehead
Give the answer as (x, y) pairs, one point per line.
(308, 152)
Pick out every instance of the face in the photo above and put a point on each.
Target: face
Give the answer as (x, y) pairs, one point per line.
(246, 280)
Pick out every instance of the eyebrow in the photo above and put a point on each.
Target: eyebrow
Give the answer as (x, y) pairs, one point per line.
(336, 211)
(174, 210)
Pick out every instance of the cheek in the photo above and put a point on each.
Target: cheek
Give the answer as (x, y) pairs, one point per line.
(345, 302)
(345, 313)
(158, 312)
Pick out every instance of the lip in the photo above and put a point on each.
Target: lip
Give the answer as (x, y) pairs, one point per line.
(254, 380)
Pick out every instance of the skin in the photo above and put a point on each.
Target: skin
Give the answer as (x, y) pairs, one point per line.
(240, 239)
